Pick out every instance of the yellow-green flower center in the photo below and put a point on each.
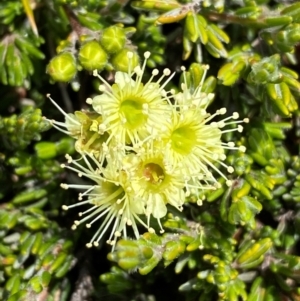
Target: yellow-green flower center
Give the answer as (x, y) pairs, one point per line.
(89, 136)
(183, 140)
(108, 193)
(132, 110)
(153, 173)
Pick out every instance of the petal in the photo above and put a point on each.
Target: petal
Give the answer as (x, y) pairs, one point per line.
(97, 102)
(177, 199)
(137, 206)
(123, 79)
(159, 208)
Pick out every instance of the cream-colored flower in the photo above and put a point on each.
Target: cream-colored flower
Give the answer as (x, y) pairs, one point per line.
(110, 198)
(85, 127)
(145, 149)
(193, 143)
(133, 111)
(153, 183)
(193, 140)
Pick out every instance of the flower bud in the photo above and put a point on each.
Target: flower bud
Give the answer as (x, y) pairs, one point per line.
(92, 56)
(122, 60)
(113, 39)
(62, 67)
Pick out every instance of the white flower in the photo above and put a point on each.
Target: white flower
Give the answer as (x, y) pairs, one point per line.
(133, 111)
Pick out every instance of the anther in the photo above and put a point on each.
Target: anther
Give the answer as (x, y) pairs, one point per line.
(229, 183)
(101, 128)
(155, 72)
(235, 115)
(117, 234)
(222, 157)
(230, 169)
(101, 88)
(147, 54)
(167, 72)
(242, 148)
(222, 111)
(151, 230)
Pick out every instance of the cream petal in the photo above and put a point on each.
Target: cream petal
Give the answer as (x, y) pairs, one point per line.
(177, 199)
(137, 205)
(123, 79)
(159, 208)
(98, 101)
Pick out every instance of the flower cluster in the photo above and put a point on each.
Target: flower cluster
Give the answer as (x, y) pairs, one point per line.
(144, 148)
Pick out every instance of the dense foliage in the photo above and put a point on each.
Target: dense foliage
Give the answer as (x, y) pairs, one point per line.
(225, 229)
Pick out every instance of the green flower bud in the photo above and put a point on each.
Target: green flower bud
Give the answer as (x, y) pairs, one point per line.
(62, 67)
(92, 56)
(123, 59)
(113, 39)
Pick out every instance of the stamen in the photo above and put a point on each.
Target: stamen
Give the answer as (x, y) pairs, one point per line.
(62, 111)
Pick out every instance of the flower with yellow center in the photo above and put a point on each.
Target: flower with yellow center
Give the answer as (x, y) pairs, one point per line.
(85, 127)
(111, 196)
(193, 141)
(145, 148)
(133, 111)
(153, 183)
(194, 145)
